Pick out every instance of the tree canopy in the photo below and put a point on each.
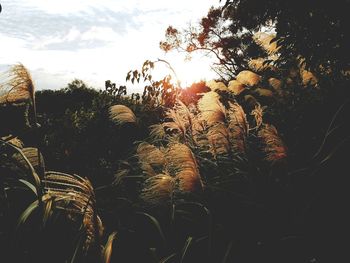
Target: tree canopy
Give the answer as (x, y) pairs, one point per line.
(312, 32)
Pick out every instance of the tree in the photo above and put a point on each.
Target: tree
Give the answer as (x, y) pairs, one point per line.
(218, 35)
(314, 31)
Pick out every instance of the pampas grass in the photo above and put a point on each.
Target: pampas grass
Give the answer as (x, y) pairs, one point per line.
(157, 132)
(180, 160)
(150, 154)
(248, 78)
(180, 120)
(216, 86)
(147, 169)
(258, 113)
(118, 177)
(274, 148)
(276, 84)
(121, 114)
(15, 141)
(236, 87)
(158, 189)
(18, 87)
(212, 110)
(219, 139)
(259, 64)
(264, 92)
(75, 196)
(238, 126)
(264, 40)
(308, 78)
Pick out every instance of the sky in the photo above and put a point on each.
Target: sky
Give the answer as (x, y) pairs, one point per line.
(96, 40)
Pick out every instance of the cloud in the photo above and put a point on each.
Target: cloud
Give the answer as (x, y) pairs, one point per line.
(93, 40)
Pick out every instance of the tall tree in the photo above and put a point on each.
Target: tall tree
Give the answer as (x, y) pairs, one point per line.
(217, 35)
(314, 31)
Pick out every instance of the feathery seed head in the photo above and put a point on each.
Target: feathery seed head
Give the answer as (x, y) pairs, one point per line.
(215, 86)
(158, 189)
(150, 154)
(248, 78)
(235, 87)
(121, 114)
(219, 139)
(276, 84)
(274, 148)
(308, 78)
(264, 40)
(19, 87)
(238, 126)
(212, 110)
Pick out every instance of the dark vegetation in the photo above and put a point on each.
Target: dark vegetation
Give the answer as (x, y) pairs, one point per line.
(251, 167)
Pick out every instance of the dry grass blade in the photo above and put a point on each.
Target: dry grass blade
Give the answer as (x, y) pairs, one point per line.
(33, 174)
(34, 156)
(107, 251)
(15, 141)
(27, 212)
(185, 248)
(121, 114)
(274, 148)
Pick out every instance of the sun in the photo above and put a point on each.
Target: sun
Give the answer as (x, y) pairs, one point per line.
(185, 72)
(192, 71)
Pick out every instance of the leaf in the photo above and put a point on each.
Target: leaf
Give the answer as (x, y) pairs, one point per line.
(47, 210)
(185, 249)
(227, 253)
(77, 248)
(128, 76)
(29, 185)
(155, 222)
(107, 250)
(26, 213)
(165, 260)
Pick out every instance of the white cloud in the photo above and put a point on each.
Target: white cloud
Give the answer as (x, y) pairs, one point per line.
(93, 40)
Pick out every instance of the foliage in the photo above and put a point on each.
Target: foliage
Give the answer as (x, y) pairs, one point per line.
(156, 92)
(217, 34)
(77, 134)
(227, 33)
(313, 30)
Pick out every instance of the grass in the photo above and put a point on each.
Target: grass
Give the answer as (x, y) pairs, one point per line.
(210, 183)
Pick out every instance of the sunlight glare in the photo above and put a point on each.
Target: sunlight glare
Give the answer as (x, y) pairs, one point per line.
(194, 70)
